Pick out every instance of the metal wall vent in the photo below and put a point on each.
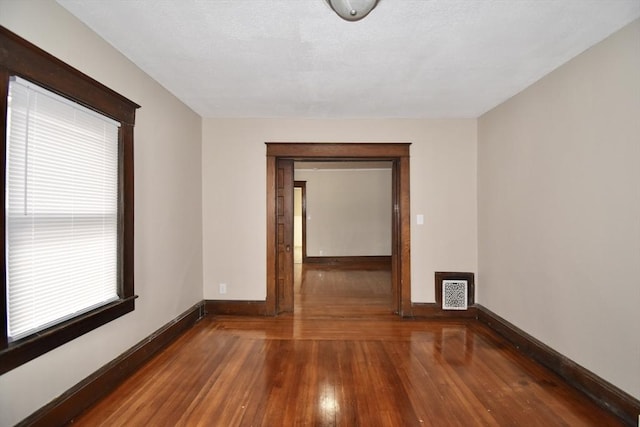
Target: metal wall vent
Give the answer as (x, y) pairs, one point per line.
(454, 295)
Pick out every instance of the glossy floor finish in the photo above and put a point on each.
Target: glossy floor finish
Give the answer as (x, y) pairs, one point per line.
(330, 292)
(324, 368)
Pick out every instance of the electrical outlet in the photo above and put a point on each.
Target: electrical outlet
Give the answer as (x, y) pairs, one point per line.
(223, 288)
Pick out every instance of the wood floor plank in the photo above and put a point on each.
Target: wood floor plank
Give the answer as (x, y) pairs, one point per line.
(321, 367)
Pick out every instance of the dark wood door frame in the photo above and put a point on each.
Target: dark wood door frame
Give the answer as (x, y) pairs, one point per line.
(284, 236)
(302, 185)
(398, 154)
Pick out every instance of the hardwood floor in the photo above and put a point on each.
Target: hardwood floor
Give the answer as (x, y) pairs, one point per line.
(325, 291)
(342, 362)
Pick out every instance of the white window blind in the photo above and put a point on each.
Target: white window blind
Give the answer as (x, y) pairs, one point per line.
(61, 209)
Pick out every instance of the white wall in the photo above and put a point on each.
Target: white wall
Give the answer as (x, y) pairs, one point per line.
(559, 209)
(443, 188)
(297, 217)
(168, 252)
(348, 211)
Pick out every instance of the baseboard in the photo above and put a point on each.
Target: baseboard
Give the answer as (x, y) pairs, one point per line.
(360, 262)
(98, 385)
(238, 308)
(258, 308)
(603, 393)
(95, 387)
(435, 311)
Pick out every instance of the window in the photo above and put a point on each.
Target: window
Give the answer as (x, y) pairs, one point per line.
(61, 209)
(67, 180)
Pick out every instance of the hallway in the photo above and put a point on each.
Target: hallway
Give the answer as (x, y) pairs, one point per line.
(341, 292)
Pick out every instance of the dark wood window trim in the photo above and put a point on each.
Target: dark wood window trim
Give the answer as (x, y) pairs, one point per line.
(20, 58)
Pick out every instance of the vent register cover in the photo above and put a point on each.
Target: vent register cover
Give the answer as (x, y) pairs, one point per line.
(454, 295)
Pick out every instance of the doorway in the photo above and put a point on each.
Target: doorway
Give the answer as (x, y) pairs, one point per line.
(280, 194)
(299, 222)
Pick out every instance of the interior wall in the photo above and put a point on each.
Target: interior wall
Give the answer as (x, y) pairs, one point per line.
(443, 189)
(559, 209)
(168, 251)
(297, 217)
(348, 211)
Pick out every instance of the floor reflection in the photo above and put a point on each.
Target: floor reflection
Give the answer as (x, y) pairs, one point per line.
(321, 291)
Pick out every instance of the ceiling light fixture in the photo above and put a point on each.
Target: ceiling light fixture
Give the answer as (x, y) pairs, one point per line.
(352, 10)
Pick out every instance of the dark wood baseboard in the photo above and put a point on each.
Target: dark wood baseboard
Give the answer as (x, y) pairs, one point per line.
(435, 311)
(360, 262)
(603, 393)
(237, 308)
(99, 384)
(95, 387)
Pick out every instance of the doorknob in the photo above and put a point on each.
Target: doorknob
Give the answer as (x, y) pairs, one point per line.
(288, 248)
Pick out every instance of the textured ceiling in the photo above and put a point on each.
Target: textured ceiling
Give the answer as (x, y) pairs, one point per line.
(296, 58)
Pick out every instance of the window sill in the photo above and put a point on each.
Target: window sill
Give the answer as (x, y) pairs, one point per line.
(28, 348)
